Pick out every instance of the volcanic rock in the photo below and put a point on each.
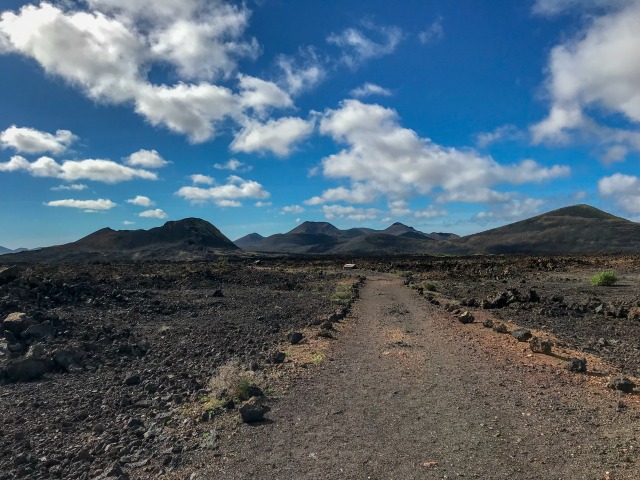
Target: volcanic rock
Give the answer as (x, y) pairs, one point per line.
(295, 338)
(253, 410)
(538, 345)
(521, 334)
(466, 317)
(577, 365)
(16, 322)
(621, 383)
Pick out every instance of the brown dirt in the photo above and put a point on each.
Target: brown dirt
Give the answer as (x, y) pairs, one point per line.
(409, 392)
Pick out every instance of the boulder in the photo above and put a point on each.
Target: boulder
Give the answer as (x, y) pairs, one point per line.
(16, 323)
(67, 357)
(38, 331)
(278, 357)
(538, 345)
(622, 384)
(487, 323)
(9, 274)
(521, 334)
(253, 410)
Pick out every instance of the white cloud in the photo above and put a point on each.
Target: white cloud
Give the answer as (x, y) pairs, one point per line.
(292, 209)
(93, 205)
(358, 193)
(141, 201)
(157, 213)
(512, 211)
(108, 51)
(234, 165)
(433, 33)
(202, 179)
(430, 212)
(71, 170)
(75, 187)
(29, 140)
(383, 157)
(263, 204)
(333, 212)
(358, 47)
(368, 89)
(230, 194)
(277, 136)
(146, 159)
(259, 94)
(399, 208)
(596, 70)
(624, 189)
(128, 222)
(500, 134)
(298, 77)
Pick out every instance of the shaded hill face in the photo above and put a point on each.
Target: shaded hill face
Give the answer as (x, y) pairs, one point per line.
(576, 229)
(248, 240)
(191, 238)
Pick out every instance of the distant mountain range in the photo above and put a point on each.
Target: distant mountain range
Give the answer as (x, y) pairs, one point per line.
(572, 230)
(322, 237)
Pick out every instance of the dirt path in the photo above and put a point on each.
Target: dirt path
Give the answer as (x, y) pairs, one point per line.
(410, 393)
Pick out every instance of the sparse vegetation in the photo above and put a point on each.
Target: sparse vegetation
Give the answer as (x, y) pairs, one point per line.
(604, 279)
(234, 382)
(342, 293)
(430, 287)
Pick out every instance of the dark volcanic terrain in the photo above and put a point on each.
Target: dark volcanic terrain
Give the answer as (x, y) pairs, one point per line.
(110, 369)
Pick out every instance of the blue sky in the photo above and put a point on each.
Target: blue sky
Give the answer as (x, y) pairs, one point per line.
(445, 115)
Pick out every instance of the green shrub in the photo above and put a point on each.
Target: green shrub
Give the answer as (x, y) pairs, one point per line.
(604, 279)
(342, 294)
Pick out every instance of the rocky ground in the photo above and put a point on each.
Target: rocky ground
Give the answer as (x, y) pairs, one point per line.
(103, 366)
(113, 370)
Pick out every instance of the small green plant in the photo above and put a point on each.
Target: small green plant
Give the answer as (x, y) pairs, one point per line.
(240, 389)
(604, 279)
(430, 287)
(343, 293)
(317, 358)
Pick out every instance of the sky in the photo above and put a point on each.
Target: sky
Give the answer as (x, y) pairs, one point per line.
(445, 115)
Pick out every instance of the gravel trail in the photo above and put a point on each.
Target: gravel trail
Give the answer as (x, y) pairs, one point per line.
(407, 392)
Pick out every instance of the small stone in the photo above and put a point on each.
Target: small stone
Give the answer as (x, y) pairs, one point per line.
(488, 323)
(218, 293)
(621, 383)
(295, 338)
(278, 357)
(253, 410)
(500, 328)
(577, 365)
(538, 345)
(466, 317)
(327, 325)
(521, 334)
(16, 322)
(133, 379)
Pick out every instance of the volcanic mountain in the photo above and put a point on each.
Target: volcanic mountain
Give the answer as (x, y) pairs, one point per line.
(183, 239)
(248, 240)
(575, 229)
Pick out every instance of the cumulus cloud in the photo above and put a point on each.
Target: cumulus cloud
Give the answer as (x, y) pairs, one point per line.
(105, 171)
(333, 212)
(157, 213)
(357, 47)
(202, 179)
(141, 201)
(623, 189)
(369, 89)
(292, 209)
(263, 204)
(358, 193)
(277, 136)
(74, 187)
(509, 212)
(99, 205)
(128, 222)
(146, 159)
(230, 194)
(300, 75)
(399, 208)
(433, 33)
(383, 157)
(598, 70)
(234, 165)
(108, 48)
(430, 212)
(29, 140)
(554, 7)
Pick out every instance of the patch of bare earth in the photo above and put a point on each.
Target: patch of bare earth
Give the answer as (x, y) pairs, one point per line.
(409, 392)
